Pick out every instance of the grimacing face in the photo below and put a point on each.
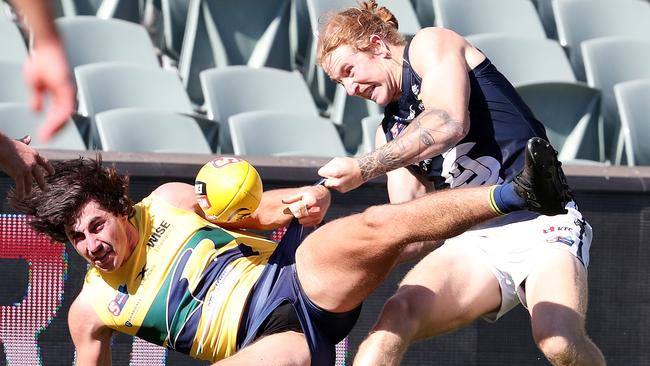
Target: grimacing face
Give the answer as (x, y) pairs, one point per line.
(100, 237)
(363, 74)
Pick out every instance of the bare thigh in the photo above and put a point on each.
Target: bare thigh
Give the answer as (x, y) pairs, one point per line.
(556, 294)
(280, 349)
(448, 289)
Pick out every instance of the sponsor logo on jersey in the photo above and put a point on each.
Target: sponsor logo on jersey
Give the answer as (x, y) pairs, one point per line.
(117, 304)
(561, 239)
(157, 233)
(458, 168)
(558, 228)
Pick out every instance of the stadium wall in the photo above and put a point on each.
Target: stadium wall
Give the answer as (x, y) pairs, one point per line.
(39, 279)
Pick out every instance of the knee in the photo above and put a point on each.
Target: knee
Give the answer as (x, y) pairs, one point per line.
(375, 217)
(376, 221)
(400, 316)
(560, 348)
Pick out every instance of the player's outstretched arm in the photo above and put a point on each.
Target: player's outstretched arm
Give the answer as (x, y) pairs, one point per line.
(277, 208)
(91, 338)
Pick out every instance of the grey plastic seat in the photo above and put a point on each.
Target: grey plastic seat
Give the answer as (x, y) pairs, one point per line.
(145, 130)
(71, 8)
(570, 112)
(12, 45)
(525, 60)
(609, 61)
(425, 13)
(245, 32)
(90, 39)
(237, 89)
(284, 134)
(369, 126)
(106, 86)
(543, 76)
(545, 11)
(18, 120)
(13, 88)
(633, 100)
(348, 112)
(468, 17)
(581, 20)
(408, 20)
(121, 9)
(174, 16)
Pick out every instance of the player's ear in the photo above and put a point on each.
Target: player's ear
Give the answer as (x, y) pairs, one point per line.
(379, 46)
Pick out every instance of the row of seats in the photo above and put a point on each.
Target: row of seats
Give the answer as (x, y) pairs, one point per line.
(571, 126)
(169, 132)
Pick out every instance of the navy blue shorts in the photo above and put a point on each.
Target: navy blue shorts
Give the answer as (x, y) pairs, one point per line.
(279, 284)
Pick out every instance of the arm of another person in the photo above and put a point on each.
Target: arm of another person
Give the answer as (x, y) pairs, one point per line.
(277, 208)
(91, 338)
(404, 186)
(46, 69)
(438, 55)
(22, 164)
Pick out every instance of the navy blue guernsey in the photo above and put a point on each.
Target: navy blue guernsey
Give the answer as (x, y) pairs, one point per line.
(500, 126)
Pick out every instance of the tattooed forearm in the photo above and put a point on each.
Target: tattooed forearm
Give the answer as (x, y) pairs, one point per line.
(431, 133)
(380, 161)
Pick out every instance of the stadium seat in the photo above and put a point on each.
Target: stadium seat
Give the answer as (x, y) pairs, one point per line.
(570, 113)
(89, 39)
(468, 17)
(347, 112)
(174, 16)
(18, 120)
(409, 24)
(609, 61)
(284, 134)
(425, 13)
(12, 45)
(236, 89)
(245, 32)
(369, 126)
(525, 60)
(72, 8)
(633, 100)
(106, 86)
(581, 20)
(146, 130)
(545, 11)
(543, 76)
(13, 88)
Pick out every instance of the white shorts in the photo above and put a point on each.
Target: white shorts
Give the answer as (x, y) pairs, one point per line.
(511, 246)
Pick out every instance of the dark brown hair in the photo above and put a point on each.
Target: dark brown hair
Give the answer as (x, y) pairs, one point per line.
(74, 183)
(354, 26)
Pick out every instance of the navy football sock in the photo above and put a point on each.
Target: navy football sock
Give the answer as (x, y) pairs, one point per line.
(504, 199)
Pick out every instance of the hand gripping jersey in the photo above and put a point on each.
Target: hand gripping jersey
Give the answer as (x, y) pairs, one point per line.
(186, 284)
(500, 126)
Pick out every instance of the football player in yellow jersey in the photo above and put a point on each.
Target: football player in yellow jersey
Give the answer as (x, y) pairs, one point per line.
(162, 272)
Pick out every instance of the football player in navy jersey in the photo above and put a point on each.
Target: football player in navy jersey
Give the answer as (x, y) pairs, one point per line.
(453, 120)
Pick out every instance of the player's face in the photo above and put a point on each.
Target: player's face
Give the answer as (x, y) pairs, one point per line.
(364, 74)
(100, 237)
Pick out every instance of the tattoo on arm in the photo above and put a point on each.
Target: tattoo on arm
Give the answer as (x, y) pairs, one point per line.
(412, 143)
